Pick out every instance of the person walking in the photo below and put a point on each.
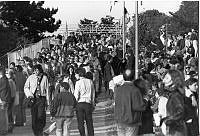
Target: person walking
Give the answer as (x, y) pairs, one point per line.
(5, 97)
(108, 74)
(129, 105)
(84, 94)
(62, 108)
(11, 118)
(37, 87)
(20, 80)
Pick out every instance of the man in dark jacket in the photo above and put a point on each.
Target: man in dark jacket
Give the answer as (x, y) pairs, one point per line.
(5, 92)
(62, 108)
(129, 105)
(5, 97)
(108, 74)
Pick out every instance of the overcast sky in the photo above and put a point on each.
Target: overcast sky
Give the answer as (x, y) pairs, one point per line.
(72, 11)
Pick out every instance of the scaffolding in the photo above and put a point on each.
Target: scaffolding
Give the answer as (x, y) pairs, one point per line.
(97, 29)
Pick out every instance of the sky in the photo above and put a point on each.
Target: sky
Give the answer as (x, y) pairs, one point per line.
(72, 11)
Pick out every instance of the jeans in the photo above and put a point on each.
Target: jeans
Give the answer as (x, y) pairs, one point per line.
(38, 113)
(125, 130)
(20, 111)
(84, 113)
(62, 126)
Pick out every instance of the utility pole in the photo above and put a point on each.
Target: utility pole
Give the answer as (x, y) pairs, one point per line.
(136, 39)
(124, 43)
(66, 29)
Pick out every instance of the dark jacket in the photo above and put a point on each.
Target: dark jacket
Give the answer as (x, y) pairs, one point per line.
(115, 64)
(176, 113)
(147, 119)
(108, 75)
(129, 104)
(5, 92)
(63, 105)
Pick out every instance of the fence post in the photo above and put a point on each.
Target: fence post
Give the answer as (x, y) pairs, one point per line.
(8, 59)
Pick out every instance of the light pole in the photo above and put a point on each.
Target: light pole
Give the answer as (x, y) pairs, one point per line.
(136, 39)
(124, 46)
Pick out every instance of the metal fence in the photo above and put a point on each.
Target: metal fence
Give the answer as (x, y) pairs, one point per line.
(4, 61)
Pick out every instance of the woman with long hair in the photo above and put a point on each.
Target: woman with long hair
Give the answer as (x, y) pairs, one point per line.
(174, 82)
(71, 73)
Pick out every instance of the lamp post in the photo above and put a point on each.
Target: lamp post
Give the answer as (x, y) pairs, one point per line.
(136, 39)
(124, 43)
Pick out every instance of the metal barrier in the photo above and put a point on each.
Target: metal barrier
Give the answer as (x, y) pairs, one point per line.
(4, 61)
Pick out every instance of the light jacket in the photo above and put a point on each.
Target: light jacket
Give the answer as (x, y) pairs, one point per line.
(31, 85)
(84, 90)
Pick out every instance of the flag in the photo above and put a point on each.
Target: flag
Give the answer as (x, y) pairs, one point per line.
(127, 16)
(125, 11)
(112, 4)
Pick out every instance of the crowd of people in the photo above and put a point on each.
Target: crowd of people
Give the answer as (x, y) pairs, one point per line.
(69, 77)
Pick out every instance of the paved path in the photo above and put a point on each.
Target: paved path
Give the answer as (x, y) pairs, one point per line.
(103, 121)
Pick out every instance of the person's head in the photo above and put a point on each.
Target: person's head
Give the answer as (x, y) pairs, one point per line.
(128, 75)
(30, 66)
(44, 55)
(71, 33)
(64, 87)
(80, 73)
(55, 57)
(81, 59)
(70, 69)
(76, 58)
(42, 49)
(2, 72)
(192, 84)
(108, 57)
(22, 62)
(38, 69)
(141, 84)
(174, 78)
(59, 51)
(19, 68)
(39, 61)
(12, 65)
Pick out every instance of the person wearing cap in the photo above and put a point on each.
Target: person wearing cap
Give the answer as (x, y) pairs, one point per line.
(62, 108)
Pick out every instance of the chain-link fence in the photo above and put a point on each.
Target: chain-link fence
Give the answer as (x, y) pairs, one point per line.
(4, 61)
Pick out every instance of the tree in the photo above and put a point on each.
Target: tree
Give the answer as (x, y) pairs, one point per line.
(108, 20)
(8, 39)
(186, 17)
(30, 20)
(149, 23)
(86, 21)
